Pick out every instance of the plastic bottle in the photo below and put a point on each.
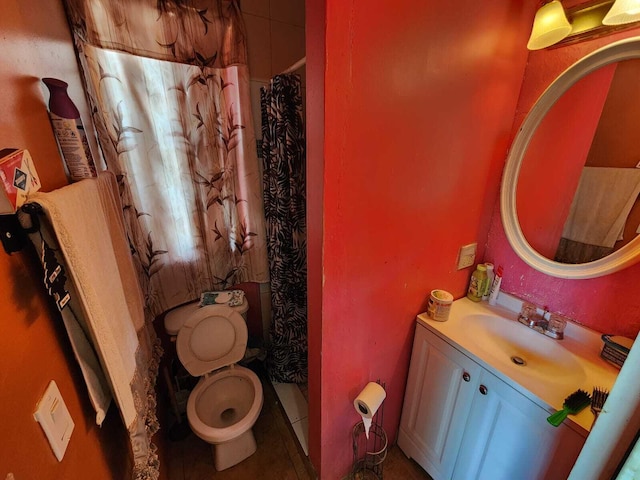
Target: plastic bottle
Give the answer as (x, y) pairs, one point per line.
(478, 283)
(490, 277)
(495, 287)
(69, 131)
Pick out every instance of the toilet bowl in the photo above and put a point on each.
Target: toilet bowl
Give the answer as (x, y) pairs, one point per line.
(226, 402)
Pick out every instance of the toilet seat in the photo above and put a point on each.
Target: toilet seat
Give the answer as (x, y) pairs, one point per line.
(213, 337)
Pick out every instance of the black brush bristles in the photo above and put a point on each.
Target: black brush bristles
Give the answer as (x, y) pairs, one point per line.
(577, 401)
(572, 405)
(599, 396)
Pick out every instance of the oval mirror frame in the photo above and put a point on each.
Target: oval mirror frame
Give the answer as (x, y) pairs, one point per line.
(622, 258)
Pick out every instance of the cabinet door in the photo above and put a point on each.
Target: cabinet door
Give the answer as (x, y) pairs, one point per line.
(508, 437)
(440, 388)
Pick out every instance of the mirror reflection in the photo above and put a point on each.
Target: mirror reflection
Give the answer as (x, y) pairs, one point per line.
(577, 191)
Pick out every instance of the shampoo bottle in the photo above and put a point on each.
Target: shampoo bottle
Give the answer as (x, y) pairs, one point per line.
(69, 131)
(490, 277)
(478, 283)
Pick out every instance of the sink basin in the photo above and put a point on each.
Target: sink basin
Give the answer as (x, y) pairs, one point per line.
(518, 348)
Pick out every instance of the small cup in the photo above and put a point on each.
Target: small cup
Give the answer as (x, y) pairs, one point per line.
(439, 305)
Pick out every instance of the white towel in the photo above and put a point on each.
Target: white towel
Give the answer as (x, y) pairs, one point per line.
(82, 227)
(97, 385)
(87, 220)
(601, 205)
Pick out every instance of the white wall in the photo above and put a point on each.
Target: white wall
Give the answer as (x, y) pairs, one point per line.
(275, 30)
(275, 41)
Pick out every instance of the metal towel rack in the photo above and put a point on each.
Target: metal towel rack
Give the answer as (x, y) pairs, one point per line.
(15, 227)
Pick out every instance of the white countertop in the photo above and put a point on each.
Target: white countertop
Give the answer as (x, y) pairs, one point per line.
(581, 368)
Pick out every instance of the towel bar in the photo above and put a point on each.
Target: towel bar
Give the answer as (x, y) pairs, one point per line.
(15, 227)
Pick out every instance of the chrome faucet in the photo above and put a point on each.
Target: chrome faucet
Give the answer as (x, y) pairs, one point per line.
(546, 323)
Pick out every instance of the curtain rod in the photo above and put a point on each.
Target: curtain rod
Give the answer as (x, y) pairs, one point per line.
(295, 66)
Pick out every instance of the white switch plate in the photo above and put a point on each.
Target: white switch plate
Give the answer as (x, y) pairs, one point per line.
(54, 418)
(467, 256)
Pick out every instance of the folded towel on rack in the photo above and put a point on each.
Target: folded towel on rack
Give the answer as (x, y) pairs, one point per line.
(601, 205)
(77, 329)
(87, 220)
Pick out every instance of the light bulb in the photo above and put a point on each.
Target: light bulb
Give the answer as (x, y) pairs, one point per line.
(623, 11)
(550, 25)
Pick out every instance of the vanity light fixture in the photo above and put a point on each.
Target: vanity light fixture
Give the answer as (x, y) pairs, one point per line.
(550, 25)
(622, 12)
(553, 26)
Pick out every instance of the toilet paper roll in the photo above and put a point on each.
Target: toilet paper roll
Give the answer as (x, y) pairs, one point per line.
(368, 402)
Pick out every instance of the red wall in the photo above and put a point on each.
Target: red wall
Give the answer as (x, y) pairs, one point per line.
(419, 101)
(34, 347)
(566, 132)
(315, 52)
(615, 143)
(608, 304)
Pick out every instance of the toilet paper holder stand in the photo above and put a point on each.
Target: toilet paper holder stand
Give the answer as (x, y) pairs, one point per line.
(369, 453)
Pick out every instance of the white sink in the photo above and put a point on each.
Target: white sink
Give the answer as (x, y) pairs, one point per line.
(523, 349)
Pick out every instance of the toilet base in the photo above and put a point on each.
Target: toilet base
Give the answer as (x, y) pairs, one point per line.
(228, 454)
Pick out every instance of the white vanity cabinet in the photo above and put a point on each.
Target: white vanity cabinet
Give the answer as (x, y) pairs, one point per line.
(440, 389)
(460, 421)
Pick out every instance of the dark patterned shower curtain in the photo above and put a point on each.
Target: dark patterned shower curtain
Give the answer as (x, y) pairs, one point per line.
(283, 159)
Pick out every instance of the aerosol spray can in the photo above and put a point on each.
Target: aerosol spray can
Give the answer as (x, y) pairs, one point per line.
(69, 131)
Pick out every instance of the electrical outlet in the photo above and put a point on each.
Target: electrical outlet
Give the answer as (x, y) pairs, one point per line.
(467, 256)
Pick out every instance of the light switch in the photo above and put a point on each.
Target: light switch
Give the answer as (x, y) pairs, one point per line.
(54, 418)
(467, 256)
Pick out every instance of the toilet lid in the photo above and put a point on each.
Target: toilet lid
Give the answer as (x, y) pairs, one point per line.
(211, 338)
(175, 318)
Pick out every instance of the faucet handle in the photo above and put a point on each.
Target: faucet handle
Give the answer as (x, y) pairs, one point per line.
(557, 323)
(528, 311)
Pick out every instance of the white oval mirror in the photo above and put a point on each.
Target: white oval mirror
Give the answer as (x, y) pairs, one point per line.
(542, 256)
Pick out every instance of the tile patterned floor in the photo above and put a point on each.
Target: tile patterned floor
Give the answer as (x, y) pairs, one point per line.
(279, 455)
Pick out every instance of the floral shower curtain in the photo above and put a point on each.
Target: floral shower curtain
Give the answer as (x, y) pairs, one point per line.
(168, 85)
(284, 181)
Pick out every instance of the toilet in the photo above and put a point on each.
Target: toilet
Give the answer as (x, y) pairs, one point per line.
(226, 401)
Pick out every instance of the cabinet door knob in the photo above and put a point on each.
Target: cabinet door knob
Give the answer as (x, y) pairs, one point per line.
(466, 377)
(483, 390)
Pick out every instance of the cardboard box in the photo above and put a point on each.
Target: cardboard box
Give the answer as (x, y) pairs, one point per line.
(18, 177)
